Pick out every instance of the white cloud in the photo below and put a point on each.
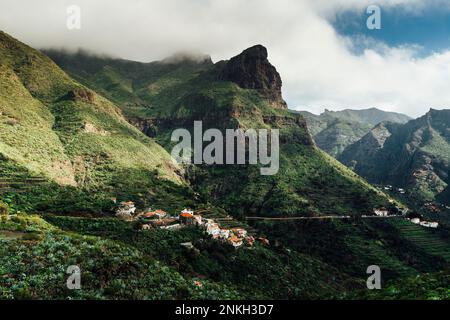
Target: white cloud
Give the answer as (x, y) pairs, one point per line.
(318, 67)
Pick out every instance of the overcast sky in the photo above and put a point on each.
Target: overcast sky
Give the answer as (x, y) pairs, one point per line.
(326, 55)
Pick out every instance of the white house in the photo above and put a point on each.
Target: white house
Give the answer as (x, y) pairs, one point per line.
(427, 224)
(172, 227)
(415, 220)
(213, 230)
(224, 234)
(126, 210)
(382, 212)
(241, 233)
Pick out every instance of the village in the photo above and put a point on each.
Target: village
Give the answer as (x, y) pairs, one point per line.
(237, 236)
(427, 207)
(150, 219)
(383, 212)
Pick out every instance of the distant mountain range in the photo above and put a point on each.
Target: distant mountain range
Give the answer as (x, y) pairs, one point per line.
(389, 148)
(414, 156)
(333, 131)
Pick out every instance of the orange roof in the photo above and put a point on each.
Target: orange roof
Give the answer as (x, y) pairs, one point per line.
(159, 211)
(186, 215)
(235, 239)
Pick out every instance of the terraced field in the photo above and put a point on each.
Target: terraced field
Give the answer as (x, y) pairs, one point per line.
(426, 239)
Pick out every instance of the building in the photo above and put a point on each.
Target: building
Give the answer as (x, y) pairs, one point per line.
(198, 220)
(224, 234)
(187, 211)
(427, 224)
(250, 241)
(160, 214)
(239, 232)
(235, 241)
(213, 230)
(415, 220)
(126, 210)
(381, 212)
(172, 227)
(187, 218)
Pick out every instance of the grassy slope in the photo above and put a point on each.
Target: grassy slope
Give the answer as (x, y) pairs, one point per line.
(74, 142)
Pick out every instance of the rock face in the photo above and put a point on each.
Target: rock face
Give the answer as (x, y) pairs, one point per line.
(252, 70)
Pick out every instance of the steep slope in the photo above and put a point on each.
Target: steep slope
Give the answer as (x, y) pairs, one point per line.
(333, 131)
(414, 156)
(55, 128)
(359, 156)
(309, 182)
(339, 134)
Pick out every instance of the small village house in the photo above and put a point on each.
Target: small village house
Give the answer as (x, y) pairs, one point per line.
(381, 212)
(172, 227)
(428, 224)
(224, 234)
(187, 218)
(239, 232)
(126, 210)
(235, 241)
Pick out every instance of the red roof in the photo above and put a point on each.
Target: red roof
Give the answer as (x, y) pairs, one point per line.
(186, 215)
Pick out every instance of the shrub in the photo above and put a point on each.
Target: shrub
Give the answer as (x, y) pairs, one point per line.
(4, 209)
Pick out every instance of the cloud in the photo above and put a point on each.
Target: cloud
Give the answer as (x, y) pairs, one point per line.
(318, 66)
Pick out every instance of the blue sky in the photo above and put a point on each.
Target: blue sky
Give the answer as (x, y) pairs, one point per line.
(428, 28)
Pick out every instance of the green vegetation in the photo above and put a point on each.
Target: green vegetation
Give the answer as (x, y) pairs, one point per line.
(35, 268)
(434, 286)
(66, 150)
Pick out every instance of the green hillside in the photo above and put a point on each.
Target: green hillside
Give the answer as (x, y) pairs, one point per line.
(309, 183)
(53, 127)
(107, 134)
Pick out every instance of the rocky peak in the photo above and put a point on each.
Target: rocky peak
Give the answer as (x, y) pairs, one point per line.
(252, 70)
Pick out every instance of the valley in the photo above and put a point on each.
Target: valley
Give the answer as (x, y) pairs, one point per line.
(82, 135)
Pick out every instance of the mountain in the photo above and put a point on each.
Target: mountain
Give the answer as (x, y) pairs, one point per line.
(333, 131)
(66, 150)
(414, 156)
(74, 140)
(244, 92)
